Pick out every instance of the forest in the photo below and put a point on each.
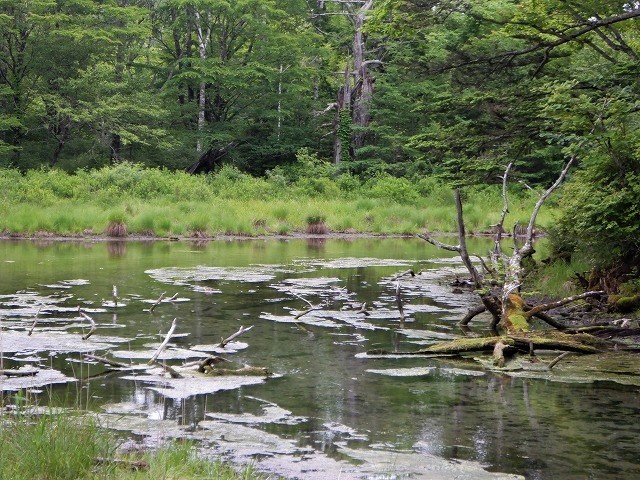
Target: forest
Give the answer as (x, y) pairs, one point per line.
(452, 91)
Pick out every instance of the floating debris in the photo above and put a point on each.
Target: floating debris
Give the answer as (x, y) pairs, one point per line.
(405, 372)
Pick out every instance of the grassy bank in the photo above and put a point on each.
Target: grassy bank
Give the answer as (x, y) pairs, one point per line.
(163, 203)
(68, 447)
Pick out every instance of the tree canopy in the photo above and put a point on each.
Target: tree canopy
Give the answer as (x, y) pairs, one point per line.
(449, 89)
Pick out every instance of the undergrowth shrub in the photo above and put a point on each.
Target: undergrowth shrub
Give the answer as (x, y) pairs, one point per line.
(398, 190)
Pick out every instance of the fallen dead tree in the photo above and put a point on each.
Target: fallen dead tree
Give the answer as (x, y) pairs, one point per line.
(498, 286)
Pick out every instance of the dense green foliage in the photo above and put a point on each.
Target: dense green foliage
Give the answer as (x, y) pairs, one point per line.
(392, 89)
(172, 203)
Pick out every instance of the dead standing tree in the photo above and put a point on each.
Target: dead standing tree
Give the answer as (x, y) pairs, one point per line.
(353, 104)
(499, 290)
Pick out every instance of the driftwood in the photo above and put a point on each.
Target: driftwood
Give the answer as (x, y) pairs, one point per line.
(553, 362)
(500, 293)
(157, 302)
(403, 274)
(114, 294)
(250, 371)
(19, 373)
(399, 303)
(35, 320)
(311, 308)
(164, 343)
(106, 361)
(206, 365)
(240, 331)
(167, 369)
(91, 321)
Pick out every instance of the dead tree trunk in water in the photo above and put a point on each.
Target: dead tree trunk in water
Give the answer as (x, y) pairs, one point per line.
(501, 295)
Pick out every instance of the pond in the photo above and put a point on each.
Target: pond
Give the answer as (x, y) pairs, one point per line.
(328, 410)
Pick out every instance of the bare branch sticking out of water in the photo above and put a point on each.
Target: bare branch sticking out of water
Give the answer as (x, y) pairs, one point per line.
(106, 361)
(557, 359)
(91, 321)
(241, 331)
(114, 293)
(164, 343)
(157, 302)
(399, 303)
(167, 369)
(35, 320)
(311, 308)
(402, 274)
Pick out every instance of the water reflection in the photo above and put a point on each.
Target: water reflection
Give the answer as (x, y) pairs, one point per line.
(533, 427)
(116, 248)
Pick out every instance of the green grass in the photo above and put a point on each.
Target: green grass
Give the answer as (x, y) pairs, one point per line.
(67, 447)
(164, 203)
(556, 279)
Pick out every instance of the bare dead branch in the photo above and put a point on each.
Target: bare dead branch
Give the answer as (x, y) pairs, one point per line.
(399, 302)
(241, 331)
(114, 294)
(35, 320)
(427, 238)
(403, 274)
(157, 302)
(505, 210)
(106, 361)
(462, 241)
(209, 362)
(91, 321)
(308, 310)
(484, 264)
(471, 314)
(553, 362)
(164, 343)
(560, 303)
(527, 248)
(171, 371)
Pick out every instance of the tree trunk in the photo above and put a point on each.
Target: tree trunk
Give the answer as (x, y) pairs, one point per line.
(203, 42)
(363, 82)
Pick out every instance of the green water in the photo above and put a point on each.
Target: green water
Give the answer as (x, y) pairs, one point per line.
(536, 428)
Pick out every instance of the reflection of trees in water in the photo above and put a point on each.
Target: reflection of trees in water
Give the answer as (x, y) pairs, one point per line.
(316, 243)
(43, 242)
(198, 244)
(116, 248)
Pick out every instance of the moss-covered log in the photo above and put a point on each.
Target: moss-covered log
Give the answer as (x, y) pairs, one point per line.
(547, 340)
